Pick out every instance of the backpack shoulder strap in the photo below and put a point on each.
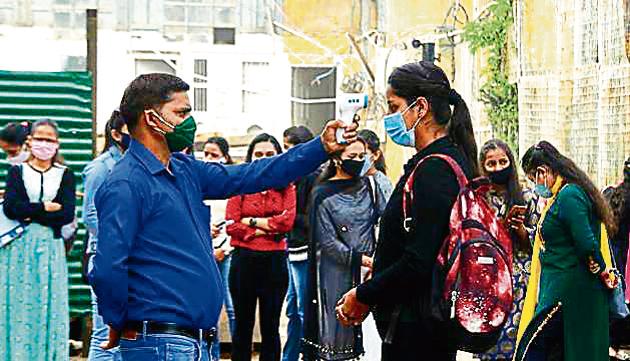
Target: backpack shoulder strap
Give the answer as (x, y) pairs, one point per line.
(408, 188)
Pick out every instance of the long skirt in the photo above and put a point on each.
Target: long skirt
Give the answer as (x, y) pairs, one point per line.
(34, 312)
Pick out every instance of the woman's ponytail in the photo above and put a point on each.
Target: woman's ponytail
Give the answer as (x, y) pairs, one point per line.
(461, 130)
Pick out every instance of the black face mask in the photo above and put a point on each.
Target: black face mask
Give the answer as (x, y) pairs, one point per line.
(352, 167)
(501, 177)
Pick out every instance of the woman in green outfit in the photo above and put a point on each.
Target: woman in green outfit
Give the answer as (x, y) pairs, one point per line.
(40, 194)
(566, 307)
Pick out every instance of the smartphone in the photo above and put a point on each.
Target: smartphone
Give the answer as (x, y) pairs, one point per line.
(517, 211)
(224, 223)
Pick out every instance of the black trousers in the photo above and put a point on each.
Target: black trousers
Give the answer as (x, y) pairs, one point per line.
(415, 341)
(257, 277)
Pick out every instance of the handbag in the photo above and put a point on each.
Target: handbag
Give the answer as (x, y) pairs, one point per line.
(617, 301)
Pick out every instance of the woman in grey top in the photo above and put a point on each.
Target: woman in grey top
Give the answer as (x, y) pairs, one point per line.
(342, 217)
(375, 168)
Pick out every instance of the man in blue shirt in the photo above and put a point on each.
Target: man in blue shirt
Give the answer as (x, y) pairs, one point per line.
(155, 277)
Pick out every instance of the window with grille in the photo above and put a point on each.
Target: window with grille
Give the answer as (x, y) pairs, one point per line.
(199, 16)
(224, 36)
(200, 94)
(256, 83)
(313, 92)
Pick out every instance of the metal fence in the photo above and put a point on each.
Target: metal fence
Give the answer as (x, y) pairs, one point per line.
(579, 96)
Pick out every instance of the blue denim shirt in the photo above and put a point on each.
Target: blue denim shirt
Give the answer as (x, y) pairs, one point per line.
(154, 259)
(94, 175)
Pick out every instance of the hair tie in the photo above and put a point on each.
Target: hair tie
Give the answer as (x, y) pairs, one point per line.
(454, 97)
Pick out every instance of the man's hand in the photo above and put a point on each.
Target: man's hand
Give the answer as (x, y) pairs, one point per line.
(112, 341)
(329, 135)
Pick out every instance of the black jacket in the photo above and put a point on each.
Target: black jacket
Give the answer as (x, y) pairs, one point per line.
(403, 263)
(17, 205)
(297, 239)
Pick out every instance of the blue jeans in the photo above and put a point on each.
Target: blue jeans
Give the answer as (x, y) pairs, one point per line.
(163, 347)
(100, 333)
(296, 303)
(224, 268)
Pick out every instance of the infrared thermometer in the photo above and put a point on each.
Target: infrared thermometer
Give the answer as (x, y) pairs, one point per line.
(348, 104)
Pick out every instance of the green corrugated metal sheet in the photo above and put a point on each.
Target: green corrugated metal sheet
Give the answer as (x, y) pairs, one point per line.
(66, 98)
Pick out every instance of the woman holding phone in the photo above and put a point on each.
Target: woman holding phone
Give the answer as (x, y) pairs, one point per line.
(217, 150)
(520, 211)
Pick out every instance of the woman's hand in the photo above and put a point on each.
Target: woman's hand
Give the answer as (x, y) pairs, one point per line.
(610, 279)
(215, 231)
(52, 207)
(351, 312)
(219, 255)
(366, 261)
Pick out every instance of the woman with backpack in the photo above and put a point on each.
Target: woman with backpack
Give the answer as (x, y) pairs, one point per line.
(567, 303)
(425, 113)
(40, 194)
(343, 216)
(519, 210)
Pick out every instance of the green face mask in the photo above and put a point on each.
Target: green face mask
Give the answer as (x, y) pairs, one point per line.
(183, 134)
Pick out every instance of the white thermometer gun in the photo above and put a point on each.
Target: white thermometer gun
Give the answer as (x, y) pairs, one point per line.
(348, 105)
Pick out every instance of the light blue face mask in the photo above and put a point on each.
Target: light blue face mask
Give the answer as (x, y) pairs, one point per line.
(397, 129)
(542, 190)
(367, 164)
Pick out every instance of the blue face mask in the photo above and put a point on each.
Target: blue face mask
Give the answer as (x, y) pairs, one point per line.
(542, 190)
(367, 164)
(397, 129)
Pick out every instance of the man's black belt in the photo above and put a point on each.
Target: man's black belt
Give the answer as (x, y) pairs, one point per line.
(154, 327)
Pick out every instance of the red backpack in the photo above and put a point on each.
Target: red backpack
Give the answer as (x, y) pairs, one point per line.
(472, 277)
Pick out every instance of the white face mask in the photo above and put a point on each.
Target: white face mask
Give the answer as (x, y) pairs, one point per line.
(221, 160)
(20, 158)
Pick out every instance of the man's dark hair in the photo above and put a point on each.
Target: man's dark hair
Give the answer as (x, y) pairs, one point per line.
(298, 134)
(146, 91)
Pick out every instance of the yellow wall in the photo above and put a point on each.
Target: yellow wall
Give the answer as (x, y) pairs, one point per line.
(327, 21)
